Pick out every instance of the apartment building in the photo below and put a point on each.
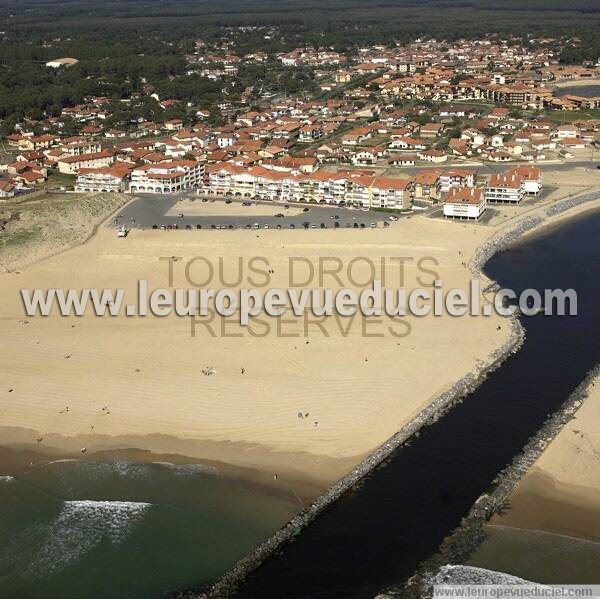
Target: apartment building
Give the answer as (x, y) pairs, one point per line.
(512, 185)
(427, 186)
(457, 177)
(389, 192)
(70, 165)
(344, 187)
(505, 188)
(465, 203)
(531, 179)
(109, 179)
(166, 177)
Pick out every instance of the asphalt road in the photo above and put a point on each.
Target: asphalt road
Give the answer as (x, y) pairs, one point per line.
(149, 211)
(493, 167)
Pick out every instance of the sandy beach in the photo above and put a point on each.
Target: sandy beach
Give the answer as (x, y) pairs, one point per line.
(294, 402)
(577, 83)
(560, 492)
(146, 372)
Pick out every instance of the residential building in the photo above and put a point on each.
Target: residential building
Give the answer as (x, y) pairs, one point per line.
(70, 165)
(109, 179)
(166, 177)
(504, 188)
(465, 202)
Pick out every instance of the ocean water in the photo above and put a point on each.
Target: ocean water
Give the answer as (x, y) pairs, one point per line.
(74, 529)
(587, 91)
(540, 556)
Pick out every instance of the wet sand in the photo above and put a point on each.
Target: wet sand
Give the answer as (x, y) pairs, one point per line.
(560, 494)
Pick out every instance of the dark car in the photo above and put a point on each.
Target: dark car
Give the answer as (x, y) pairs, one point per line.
(228, 201)
(305, 209)
(279, 215)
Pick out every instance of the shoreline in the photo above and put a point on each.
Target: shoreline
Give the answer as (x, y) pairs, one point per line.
(424, 413)
(16, 454)
(436, 409)
(576, 83)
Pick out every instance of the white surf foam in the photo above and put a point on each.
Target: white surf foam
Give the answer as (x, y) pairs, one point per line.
(6, 478)
(81, 526)
(187, 469)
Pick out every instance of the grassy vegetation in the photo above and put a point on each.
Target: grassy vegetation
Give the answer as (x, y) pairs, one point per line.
(49, 222)
(569, 116)
(57, 180)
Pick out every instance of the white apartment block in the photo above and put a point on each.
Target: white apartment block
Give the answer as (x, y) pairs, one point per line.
(110, 179)
(465, 202)
(514, 184)
(345, 187)
(166, 177)
(504, 188)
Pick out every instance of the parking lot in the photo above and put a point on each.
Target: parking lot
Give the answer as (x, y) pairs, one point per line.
(189, 211)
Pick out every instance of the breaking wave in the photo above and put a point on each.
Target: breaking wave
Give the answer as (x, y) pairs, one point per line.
(81, 526)
(186, 469)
